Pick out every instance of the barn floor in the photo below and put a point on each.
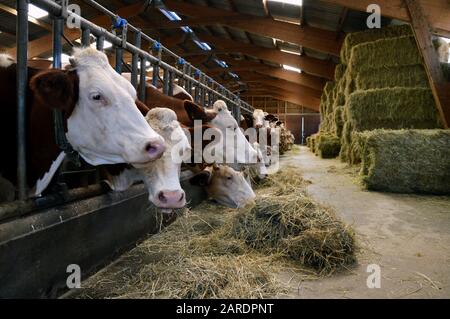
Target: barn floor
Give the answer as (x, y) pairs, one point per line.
(408, 236)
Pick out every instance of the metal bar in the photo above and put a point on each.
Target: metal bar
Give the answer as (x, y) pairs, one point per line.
(54, 8)
(100, 42)
(142, 79)
(135, 60)
(119, 58)
(170, 84)
(22, 82)
(85, 37)
(166, 82)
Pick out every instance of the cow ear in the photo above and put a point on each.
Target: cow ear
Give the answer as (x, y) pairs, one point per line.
(142, 107)
(56, 89)
(201, 179)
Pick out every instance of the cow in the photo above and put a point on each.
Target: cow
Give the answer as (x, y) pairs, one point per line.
(225, 185)
(101, 120)
(218, 117)
(259, 118)
(161, 177)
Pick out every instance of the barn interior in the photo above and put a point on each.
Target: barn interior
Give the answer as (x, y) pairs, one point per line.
(364, 155)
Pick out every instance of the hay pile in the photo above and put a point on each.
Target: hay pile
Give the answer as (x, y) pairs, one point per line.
(406, 161)
(208, 253)
(381, 84)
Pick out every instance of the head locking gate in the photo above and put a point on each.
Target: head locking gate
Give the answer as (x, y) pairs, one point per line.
(204, 89)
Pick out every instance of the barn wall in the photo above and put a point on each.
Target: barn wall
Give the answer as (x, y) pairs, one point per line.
(294, 124)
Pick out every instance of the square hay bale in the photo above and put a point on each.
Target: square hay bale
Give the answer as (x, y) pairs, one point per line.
(339, 72)
(392, 108)
(406, 161)
(308, 142)
(328, 146)
(356, 38)
(338, 121)
(406, 76)
(385, 53)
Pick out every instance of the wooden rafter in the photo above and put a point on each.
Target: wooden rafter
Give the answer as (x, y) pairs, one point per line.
(314, 38)
(310, 65)
(436, 12)
(44, 44)
(13, 12)
(439, 86)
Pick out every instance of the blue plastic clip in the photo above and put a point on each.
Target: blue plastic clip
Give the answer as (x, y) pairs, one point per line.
(181, 61)
(156, 46)
(119, 23)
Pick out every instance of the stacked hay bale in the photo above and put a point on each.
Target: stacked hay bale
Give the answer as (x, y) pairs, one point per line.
(381, 84)
(406, 161)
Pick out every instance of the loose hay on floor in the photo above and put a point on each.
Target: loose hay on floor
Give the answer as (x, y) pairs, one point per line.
(223, 253)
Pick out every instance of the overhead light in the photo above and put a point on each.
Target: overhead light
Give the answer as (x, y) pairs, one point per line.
(203, 45)
(234, 75)
(292, 2)
(290, 51)
(291, 68)
(187, 29)
(36, 12)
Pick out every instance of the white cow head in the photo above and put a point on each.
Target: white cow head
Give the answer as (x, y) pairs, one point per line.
(236, 147)
(161, 177)
(258, 118)
(103, 123)
(225, 185)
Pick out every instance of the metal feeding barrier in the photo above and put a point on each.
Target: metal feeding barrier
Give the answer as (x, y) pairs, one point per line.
(205, 89)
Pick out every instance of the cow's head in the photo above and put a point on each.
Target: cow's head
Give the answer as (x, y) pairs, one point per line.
(258, 118)
(103, 122)
(235, 142)
(225, 185)
(162, 177)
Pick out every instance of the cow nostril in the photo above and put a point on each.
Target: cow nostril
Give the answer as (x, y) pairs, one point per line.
(181, 197)
(162, 198)
(154, 148)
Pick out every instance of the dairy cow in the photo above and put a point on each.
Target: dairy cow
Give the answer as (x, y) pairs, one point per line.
(101, 119)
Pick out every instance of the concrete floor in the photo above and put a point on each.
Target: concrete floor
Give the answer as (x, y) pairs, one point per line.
(408, 236)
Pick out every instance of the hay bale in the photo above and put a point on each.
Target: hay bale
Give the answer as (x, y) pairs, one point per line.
(308, 142)
(328, 146)
(406, 76)
(353, 39)
(385, 53)
(406, 161)
(392, 108)
(339, 72)
(295, 226)
(338, 121)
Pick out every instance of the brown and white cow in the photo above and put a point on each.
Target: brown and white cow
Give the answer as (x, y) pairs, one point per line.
(161, 177)
(225, 185)
(102, 122)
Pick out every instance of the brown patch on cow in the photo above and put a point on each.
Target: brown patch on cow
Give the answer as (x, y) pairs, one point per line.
(56, 89)
(142, 107)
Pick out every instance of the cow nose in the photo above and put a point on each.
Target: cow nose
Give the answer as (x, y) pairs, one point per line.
(258, 126)
(155, 149)
(171, 199)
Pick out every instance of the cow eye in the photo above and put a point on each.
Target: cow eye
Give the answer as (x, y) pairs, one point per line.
(96, 96)
(230, 177)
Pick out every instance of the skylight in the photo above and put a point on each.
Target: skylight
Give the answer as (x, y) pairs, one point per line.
(292, 2)
(291, 68)
(290, 51)
(223, 64)
(172, 16)
(36, 12)
(203, 45)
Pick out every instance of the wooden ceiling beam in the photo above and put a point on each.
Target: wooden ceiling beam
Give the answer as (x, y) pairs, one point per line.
(321, 68)
(439, 86)
(310, 37)
(44, 44)
(437, 12)
(308, 102)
